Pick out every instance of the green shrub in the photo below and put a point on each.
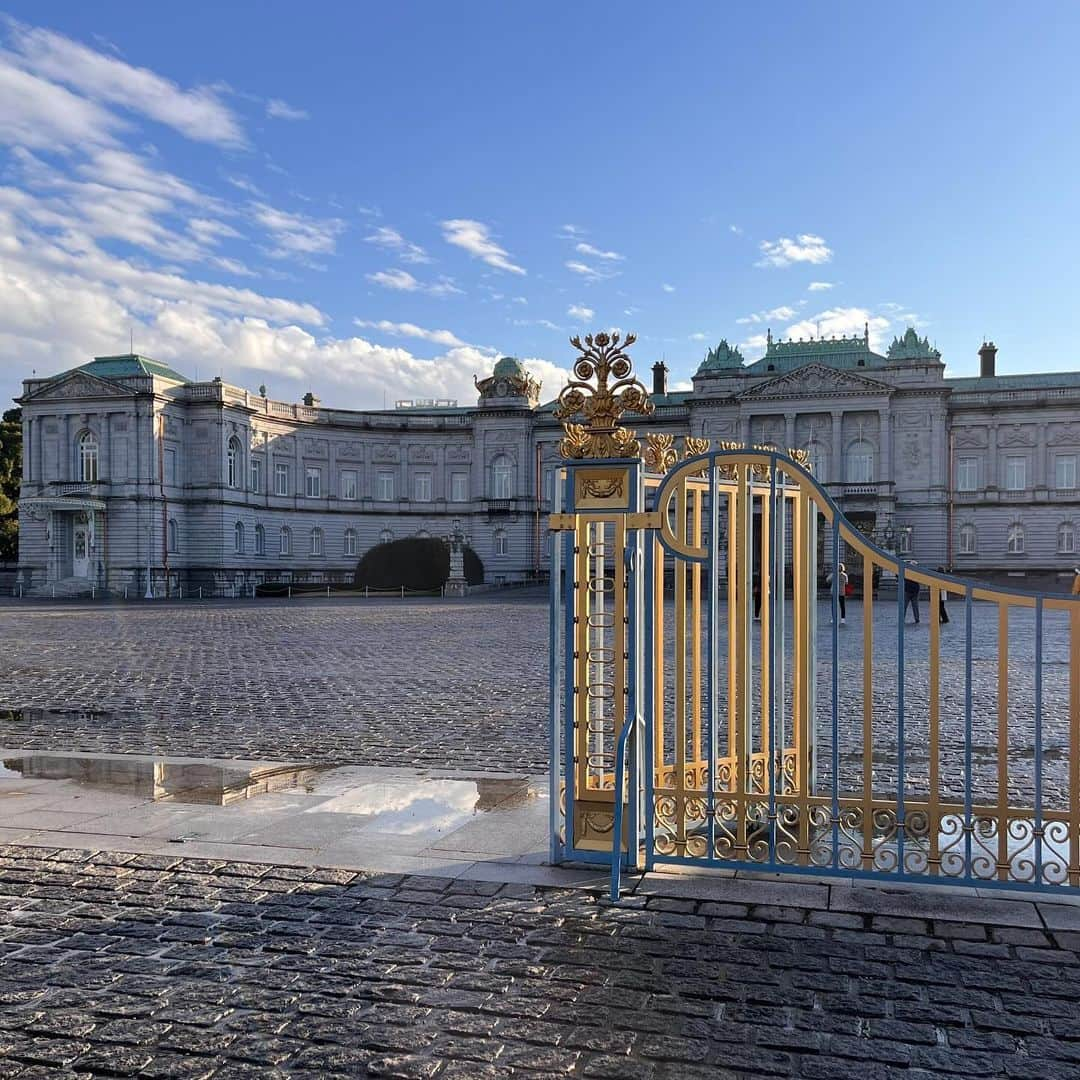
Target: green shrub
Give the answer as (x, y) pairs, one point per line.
(419, 563)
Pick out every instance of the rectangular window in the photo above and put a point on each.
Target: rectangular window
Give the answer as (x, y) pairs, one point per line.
(281, 478)
(1065, 472)
(384, 489)
(423, 487)
(1015, 473)
(459, 487)
(170, 467)
(967, 474)
(256, 474)
(313, 482)
(348, 484)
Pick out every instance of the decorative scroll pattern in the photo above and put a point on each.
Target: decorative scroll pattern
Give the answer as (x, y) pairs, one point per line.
(602, 358)
(660, 453)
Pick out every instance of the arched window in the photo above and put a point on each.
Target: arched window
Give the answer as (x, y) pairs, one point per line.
(967, 540)
(502, 546)
(234, 462)
(350, 541)
(316, 541)
(260, 540)
(502, 478)
(88, 458)
(173, 535)
(819, 459)
(238, 538)
(1066, 538)
(285, 541)
(1016, 539)
(386, 536)
(860, 463)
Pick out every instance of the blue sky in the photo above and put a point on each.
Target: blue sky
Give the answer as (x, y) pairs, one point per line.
(376, 200)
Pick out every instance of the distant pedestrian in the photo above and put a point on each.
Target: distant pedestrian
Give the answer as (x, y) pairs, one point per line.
(943, 611)
(911, 597)
(1076, 581)
(842, 574)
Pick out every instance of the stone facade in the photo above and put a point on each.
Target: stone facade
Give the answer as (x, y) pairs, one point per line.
(130, 469)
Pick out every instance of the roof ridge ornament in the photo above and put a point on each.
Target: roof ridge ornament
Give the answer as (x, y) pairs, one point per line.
(601, 436)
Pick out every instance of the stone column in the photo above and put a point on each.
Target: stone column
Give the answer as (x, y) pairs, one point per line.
(836, 466)
(105, 458)
(885, 441)
(30, 456)
(1040, 455)
(993, 477)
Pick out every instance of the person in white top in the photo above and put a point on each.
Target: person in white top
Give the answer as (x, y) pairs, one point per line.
(842, 572)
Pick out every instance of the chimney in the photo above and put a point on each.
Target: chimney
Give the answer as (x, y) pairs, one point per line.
(659, 378)
(987, 357)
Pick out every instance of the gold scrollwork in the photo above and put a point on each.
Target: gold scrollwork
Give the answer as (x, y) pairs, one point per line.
(603, 357)
(692, 446)
(608, 488)
(660, 453)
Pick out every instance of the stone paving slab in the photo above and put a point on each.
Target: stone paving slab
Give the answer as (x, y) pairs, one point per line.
(143, 965)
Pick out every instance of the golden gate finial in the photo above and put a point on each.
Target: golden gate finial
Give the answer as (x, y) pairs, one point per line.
(601, 436)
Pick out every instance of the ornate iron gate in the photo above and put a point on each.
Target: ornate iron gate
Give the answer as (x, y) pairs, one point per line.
(709, 708)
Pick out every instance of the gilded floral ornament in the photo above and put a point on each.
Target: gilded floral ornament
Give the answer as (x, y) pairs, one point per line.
(602, 358)
(693, 446)
(660, 453)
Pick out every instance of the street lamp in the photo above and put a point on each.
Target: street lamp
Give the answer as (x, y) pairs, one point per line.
(149, 594)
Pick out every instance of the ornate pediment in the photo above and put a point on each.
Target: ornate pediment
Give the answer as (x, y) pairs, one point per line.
(815, 381)
(1065, 435)
(424, 455)
(1016, 435)
(75, 385)
(459, 454)
(970, 437)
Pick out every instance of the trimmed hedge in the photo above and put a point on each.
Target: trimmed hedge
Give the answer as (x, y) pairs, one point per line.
(417, 562)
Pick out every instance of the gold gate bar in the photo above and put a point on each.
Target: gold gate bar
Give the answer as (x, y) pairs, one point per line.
(765, 642)
(1074, 745)
(741, 644)
(1003, 742)
(868, 711)
(934, 863)
(680, 674)
(695, 630)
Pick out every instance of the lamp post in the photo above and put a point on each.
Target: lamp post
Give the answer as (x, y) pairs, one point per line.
(149, 594)
(456, 585)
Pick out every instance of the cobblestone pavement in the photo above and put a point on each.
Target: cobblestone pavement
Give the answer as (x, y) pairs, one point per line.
(180, 968)
(462, 685)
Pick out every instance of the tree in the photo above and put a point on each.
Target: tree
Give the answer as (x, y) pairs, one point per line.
(418, 563)
(10, 479)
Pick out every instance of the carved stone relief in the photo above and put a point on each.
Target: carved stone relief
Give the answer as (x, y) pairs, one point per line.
(459, 454)
(1065, 435)
(317, 448)
(969, 437)
(1016, 435)
(385, 454)
(423, 454)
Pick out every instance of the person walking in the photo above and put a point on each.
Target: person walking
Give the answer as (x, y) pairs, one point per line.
(1076, 581)
(911, 597)
(943, 611)
(842, 573)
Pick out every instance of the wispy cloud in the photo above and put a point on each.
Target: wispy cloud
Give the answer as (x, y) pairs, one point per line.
(277, 109)
(475, 238)
(596, 253)
(580, 312)
(776, 314)
(819, 286)
(297, 234)
(405, 329)
(805, 248)
(589, 273)
(391, 240)
(840, 322)
(403, 281)
(736, 229)
(667, 288)
(197, 114)
(570, 232)
(699, 336)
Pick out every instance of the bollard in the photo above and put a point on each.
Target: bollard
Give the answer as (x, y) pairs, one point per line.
(327, 592)
(290, 592)
(365, 592)
(93, 592)
(200, 592)
(402, 592)
(54, 592)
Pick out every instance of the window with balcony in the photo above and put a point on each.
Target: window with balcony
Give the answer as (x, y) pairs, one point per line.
(88, 458)
(281, 478)
(313, 482)
(967, 474)
(502, 478)
(904, 541)
(1065, 472)
(1015, 542)
(1066, 538)
(966, 538)
(234, 458)
(422, 487)
(860, 463)
(384, 487)
(1015, 473)
(459, 487)
(350, 542)
(348, 484)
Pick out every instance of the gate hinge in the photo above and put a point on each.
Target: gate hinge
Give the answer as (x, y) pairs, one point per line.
(643, 520)
(562, 522)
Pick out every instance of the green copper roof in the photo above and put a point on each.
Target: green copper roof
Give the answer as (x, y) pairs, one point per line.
(508, 367)
(723, 357)
(1042, 380)
(912, 347)
(845, 352)
(125, 367)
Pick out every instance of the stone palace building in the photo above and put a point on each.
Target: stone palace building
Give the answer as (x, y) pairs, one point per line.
(130, 469)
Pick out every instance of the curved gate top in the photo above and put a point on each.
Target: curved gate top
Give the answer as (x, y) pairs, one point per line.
(711, 705)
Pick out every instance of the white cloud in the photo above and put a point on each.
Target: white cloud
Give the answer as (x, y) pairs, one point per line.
(819, 286)
(776, 314)
(209, 232)
(570, 232)
(297, 234)
(197, 114)
(699, 336)
(596, 253)
(667, 288)
(805, 248)
(404, 329)
(403, 281)
(587, 272)
(840, 322)
(391, 240)
(736, 229)
(277, 109)
(475, 238)
(580, 312)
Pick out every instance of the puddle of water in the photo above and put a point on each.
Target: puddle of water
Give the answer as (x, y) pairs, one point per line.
(414, 805)
(159, 779)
